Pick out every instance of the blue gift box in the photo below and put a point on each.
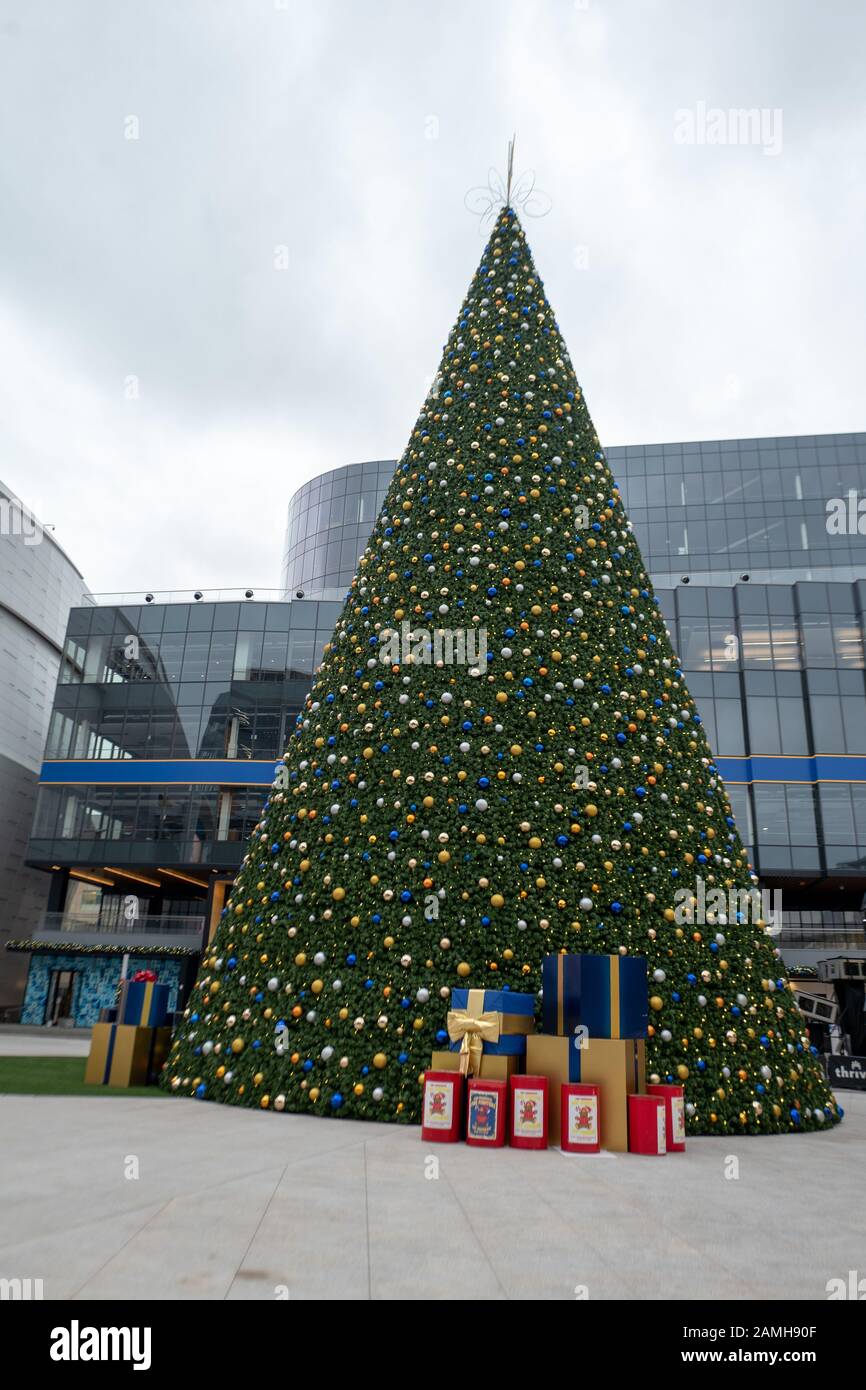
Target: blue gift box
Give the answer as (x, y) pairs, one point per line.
(607, 995)
(516, 1017)
(143, 1003)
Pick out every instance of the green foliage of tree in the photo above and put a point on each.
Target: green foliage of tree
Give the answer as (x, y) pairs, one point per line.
(446, 818)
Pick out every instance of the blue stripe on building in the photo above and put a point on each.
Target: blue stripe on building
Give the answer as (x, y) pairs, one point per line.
(244, 773)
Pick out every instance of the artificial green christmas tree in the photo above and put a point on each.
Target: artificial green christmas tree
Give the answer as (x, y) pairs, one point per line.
(499, 759)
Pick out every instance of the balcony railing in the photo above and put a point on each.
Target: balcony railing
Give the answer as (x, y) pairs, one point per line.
(156, 930)
(133, 597)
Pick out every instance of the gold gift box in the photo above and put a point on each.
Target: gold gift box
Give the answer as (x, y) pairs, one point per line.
(616, 1065)
(124, 1054)
(493, 1068)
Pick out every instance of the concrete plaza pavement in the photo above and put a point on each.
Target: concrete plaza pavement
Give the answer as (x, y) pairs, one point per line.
(238, 1204)
(18, 1041)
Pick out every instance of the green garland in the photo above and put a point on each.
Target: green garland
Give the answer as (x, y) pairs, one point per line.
(53, 948)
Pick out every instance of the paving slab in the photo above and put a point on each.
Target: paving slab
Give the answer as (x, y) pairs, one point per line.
(175, 1199)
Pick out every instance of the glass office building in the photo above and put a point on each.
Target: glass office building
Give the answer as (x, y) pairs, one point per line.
(168, 720)
(169, 716)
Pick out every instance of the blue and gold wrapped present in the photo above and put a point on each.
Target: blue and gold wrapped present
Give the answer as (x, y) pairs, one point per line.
(143, 1004)
(491, 1021)
(124, 1055)
(606, 995)
(616, 1065)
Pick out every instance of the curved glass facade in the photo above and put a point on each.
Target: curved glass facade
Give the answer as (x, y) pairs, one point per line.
(328, 525)
(38, 585)
(711, 510)
(722, 508)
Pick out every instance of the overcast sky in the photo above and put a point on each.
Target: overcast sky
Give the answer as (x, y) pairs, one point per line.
(705, 290)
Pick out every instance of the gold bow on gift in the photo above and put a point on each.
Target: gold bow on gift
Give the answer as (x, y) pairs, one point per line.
(472, 1027)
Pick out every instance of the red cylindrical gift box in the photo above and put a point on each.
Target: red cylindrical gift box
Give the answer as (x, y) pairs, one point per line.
(580, 1126)
(486, 1105)
(528, 1121)
(675, 1115)
(443, 1106)
(647, 1130)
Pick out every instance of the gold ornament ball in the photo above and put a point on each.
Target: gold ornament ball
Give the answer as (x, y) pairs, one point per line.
(338, 895)
(317, 986)
(463, 969)
(656, 1002)
(380, 1061)
(682, 1072)
(237, 1045)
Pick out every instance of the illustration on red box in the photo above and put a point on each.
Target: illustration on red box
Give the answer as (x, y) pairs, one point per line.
(485, 1113)
(580, 1127)
(442, 1107)
(529, 1112)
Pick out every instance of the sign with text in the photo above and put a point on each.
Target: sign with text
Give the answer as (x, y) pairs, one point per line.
(846, 1073)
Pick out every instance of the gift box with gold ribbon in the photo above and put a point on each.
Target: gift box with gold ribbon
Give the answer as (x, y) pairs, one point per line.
(491, 1068)
(124, 1055)
(142, 1003)
(605, 995)
(616, 1065)
(489, 1022)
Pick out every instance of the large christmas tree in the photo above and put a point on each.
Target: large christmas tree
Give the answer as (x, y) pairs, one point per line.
(499, 759)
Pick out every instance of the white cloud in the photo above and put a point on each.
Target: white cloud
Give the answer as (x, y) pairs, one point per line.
(309, 126)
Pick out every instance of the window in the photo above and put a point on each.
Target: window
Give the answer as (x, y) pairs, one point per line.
(763, 725)
(729, 728)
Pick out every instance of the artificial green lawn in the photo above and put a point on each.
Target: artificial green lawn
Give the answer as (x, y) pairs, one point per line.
(59, 1076)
